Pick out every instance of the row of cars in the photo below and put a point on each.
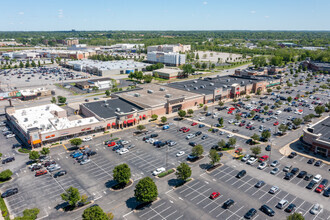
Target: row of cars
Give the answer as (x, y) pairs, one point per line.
(119, 146)
(7, 132)
(316, 208)
(83, 154)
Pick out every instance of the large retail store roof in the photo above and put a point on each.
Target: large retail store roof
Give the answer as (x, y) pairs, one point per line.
(323, 128)
(108, 65)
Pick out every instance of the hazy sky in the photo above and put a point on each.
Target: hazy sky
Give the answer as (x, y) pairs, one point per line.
(47, 15)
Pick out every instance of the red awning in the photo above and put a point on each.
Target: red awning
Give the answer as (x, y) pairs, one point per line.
(144, 116)
(134, 119)
(237, 93)
(140, 116)
(130, 121)
(125, 122)
(108, 125)
(113, 124)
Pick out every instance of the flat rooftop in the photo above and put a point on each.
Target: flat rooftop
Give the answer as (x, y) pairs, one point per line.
(323, 128)
(108, 108)
(207, 85)
(153, 95)
(108, 65)
(43, 118)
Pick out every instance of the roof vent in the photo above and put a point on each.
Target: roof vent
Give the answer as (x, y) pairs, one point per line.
(211, 84)
(117, 109)
(26, 119)
(150, 91)
(161, 89)
(137, 94)
(195, 81)
(168, 95)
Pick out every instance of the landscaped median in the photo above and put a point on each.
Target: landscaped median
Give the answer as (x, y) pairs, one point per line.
(4, 209)
(168, 172)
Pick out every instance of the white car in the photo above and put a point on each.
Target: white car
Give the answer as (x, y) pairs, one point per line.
(5, 129)
(245, 158)
(311, 108)
(53, 168)
(124, 151)
(317, 178)
(262, 166)
(201, 119)
(87, 139)
(300, 113)
(85, 161)
(237, 123)
(190, 136)
(252, 160)
(275, 163)
(222, 132)
(124, 142)
(278, 112)
(316, 209)
(274, 189)
(231, 121)
(34, 164)
(151, 140)
(230, 135)
(158, 171)
(180, 153)
(10, 135)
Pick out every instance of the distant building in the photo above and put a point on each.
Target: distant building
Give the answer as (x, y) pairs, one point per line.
(172, 59)
(284, 44)
(78, 47)
(316, 66)
(174, 48)
(251, 72)
(123, 47)
(166, 73)
(70, 42)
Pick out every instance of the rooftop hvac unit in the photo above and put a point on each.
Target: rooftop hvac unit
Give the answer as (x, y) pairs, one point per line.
(211, 84)
(26, 119)
(168, 95)
(161, 89)
(91, 120)
(195, 88)
(185, 86)
(117, 109)
(150, 91)
(47, 108)
(79, 121)
(228, 80)
(35, 122)
(195, 81)
(242, 82)
(137, 94)
(105, 101)
(235, 78)
(188, 89)
(133, 109)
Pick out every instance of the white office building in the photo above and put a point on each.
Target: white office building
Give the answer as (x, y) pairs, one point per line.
(167, 48)
(172, 59)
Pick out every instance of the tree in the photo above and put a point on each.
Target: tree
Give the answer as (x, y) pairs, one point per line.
(147, 78)
(205, 107)
(94, 213)
(307, 118)
(255, 150)
(52, 60)
(21, 65)
(27, 64)
(71, 195)
(187, 69)
(297, 121)
(279, 87)
(197, 150)
(220, 120)
(269, 90)
(276, 60)
(255, 137)
(183, 172)
(237, 117)
(53, 100)
(234, 100)
(319, 109)
(266, 134)
(76, 141)
(5, 175)
(107, 92)
(283, 128)
(248, 97)
(295, 216)
(34, 155)
(39, 64)
(266, 107)
(252, 113)
(33, 64)
(61, 99)
(182, 113)
(154, 117)
(190, 112)
(197, 56)
(146, 190)
(221, 103)
(289, 99)
(214, 156)
(45, 151)
(29, 214)
(122, 174)
(163, 119)
(132, 75)
(204, 65)
(232, 141)
(140, 127)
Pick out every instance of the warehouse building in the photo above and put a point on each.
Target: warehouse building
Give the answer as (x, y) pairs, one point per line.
(316, 138)
(166, 73)
(171, 59)
(106, 68)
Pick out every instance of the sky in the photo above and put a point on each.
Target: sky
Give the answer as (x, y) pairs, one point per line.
(47, 15)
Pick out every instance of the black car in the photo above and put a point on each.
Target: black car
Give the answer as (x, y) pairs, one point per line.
(8, 160)
(60, 173)
(228, 203)
(326, 192)
(290, 208)
(220, 154)
(311, 185)
(292, 155)
(153, 135)
(259, 184)
(268, 148)
(308, 177)
(198, 133)
(17, 146)
(9, 192)
(302, 174)
(250, 213)
(267, 210)
(91, 153)
(288, 176)
(193, 144)
(241, 174)
(295, 170)
(318, 163)
(311, 161)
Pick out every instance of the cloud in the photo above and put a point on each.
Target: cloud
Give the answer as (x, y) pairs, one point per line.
(253, 12)
(60, 13)
(267, 16)
(21, 13)
(205, 3)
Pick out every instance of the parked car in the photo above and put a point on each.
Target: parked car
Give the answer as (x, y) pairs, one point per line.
(214, 195)
(87, 139)
(60, 173)
(85, 161)
(316, 209)
(322, 186)
(241, 174)
(317, 178)
(311, 185)
(302, 174)
(274, 189)
(308, 177)
(180, 153)
(275, 163)
(281, 204)
(228, 203)
(53, 167)
(275, 171)
(263, 158)
(287, 168)
(8, 160)
(290, 208)
(267, 210)
(158, 171)
(245, 158)
(311, 161)
(262, 166)
(259, 184)
(292, 155)
(250, 214)
(326, 192)
(318, 163)
(9, 192)
(41, 172)
(252, 160)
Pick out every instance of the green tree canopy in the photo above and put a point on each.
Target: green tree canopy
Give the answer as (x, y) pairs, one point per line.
(154, 117)
(5, 175)
(94, 213)
(122, 173)
(319, 109)
(34, 155)
(71, 195)
(214, 157)
(45, 151)
(266, 134)
(255, 150)
(197, 150)
(163, 119)
(295, 216)
(76, 141)
(232, 141)
(255, 137)
(146, 190)
(183, 172)
(222, 143)
(29, 214)
(182, 113)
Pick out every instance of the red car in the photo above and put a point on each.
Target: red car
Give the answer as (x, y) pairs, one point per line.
(183, 128)
(248, 127)
(229, 112)
(232, 109)
(320, 188)
(111, 144)
(276, 123)
(214, 195)
(193, 124)
(263, 158)
(241, 124)
(186, 130)
(41, 172)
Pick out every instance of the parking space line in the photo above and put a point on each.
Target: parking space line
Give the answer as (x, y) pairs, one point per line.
(307, 210)
(152, 209)
(234, 213)
(170, 214)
